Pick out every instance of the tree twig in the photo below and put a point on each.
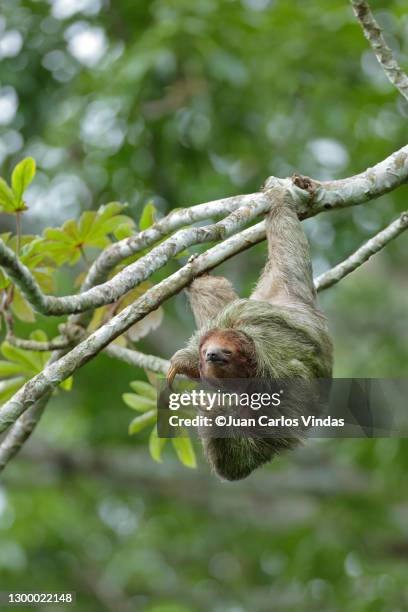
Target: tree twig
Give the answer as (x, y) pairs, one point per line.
(33, 345)
(369, 248)
(138, 359)
(383, 53)
(22, 430)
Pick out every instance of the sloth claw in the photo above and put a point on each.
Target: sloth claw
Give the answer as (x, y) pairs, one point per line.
(171, 374)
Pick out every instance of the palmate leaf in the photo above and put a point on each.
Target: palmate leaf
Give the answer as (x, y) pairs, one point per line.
(94, 228)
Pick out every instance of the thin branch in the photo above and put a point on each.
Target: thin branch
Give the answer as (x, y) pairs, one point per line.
(117, 252)
(33, 345)
(138, 359)
(369, 248)
(22, 430)
(383, 53)
(374, 182)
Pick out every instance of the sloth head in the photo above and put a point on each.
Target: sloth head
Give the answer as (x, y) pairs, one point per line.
(226, 353)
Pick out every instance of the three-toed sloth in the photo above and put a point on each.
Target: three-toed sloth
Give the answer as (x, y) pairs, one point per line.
(279, 333)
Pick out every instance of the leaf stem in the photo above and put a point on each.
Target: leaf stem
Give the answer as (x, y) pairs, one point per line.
(18, 232)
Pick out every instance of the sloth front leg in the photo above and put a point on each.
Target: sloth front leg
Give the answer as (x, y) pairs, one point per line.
(186, 362)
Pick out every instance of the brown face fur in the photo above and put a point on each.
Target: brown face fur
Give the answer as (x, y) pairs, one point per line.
(226, 353)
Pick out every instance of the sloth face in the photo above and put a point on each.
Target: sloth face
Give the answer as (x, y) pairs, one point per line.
(226, 353)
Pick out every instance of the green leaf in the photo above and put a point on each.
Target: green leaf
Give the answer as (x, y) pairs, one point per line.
(156, 445)
(21, 308)
(29, 360)
(8, 369)
(67, 384)
(124, 230)
(6, 197)
(66, 244)
(145, 389)
(4, 281)
(9, 387)
(22, 176)
(137, 402)
(142, 421)
(147, 217)
(185, 451)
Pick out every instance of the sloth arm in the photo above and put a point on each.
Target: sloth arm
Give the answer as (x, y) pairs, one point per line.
(287, 278)
(208, 295)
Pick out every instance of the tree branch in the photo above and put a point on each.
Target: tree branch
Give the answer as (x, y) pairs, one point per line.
(22, 430)
(384, 177)
(137, 359)
(383, 53)
(372, 246)
(33, 345)
(319, 197)
(133, 274)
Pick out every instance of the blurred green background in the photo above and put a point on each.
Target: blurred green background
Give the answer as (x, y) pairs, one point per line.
(183, 102)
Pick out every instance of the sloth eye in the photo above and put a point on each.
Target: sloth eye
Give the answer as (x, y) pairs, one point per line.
(227, 352)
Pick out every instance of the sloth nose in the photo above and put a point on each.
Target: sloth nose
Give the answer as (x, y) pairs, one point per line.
(214, 354)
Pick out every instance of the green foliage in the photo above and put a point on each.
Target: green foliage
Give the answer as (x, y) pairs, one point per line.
(184, 450)
(94, 229)
(145, 401)
(11, 200)
(21, 178)
(148, 216)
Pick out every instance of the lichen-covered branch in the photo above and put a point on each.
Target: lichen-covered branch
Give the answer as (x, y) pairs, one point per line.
(317, 197)
(383, 53)
(138, 359)
(310, 197)
(369, 248)
(21, 430)
(135, 273)
(374, 182)
(34, 345)
(117, 252)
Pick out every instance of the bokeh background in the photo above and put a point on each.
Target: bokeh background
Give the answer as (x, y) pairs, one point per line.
(182, 102)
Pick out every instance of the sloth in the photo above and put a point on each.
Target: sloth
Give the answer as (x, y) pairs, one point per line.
(278, 333)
